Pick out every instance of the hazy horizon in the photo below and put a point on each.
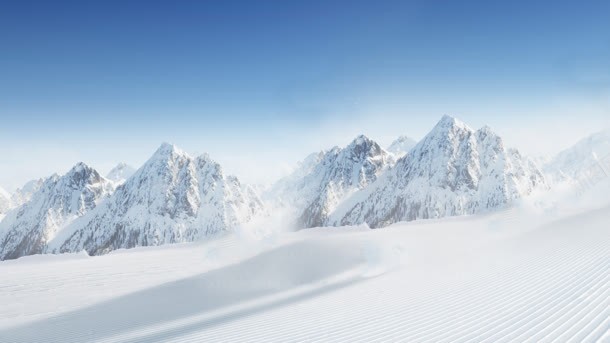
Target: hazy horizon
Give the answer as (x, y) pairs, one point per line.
(241, 163)
(261, 86)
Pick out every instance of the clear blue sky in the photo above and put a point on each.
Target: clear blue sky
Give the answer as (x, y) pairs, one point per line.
(265, 82)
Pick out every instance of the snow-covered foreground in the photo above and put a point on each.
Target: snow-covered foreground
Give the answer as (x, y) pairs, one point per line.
(509, 276)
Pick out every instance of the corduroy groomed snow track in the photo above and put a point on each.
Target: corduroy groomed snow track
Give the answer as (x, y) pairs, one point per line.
(494, 278)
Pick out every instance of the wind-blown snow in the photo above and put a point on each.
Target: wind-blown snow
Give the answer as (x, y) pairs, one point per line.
(511, 276)
(175, 198)
(172, 198)
(454, 170)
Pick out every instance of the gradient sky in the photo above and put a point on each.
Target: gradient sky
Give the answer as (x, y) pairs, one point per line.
(260, 84)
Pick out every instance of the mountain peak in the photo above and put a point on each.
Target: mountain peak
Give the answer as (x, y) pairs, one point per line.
(401, 145)
(121, 172)
(166, 149)
(485, 133)
(362, 146)
(486, 128)
(448, 121)
(205, 157)
(167, 152)
(361, 140)
(446, 128)
(80, 167)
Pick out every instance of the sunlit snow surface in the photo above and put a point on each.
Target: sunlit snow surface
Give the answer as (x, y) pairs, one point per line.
(524, 274)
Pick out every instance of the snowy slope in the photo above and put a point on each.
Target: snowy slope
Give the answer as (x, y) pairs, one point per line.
(325, 179)
(454, 170)
(401, 146)
(28, 229)
(503, 277)
(172, 198)
(582, 160)
(120, 173)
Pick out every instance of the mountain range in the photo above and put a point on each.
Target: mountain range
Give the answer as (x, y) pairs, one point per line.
(325, 179)
(173, 197)
(59, 200)
(583, 160)
(454, 170)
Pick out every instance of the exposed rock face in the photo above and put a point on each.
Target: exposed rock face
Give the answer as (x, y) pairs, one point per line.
(57, 202)
(172, 198)
(325, 179)
(454, 170)
(176, 198)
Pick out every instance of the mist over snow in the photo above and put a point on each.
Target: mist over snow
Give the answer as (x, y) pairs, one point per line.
(305, 171)
(439, 233)
(454, 170)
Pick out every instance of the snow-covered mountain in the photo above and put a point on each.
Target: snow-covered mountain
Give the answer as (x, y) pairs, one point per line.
(120, 173)
(401, 146)
(582, 160)
(57, 202)
(25, 193)
(454, 170)
(172, 198)
(5, 202)
(325, 179)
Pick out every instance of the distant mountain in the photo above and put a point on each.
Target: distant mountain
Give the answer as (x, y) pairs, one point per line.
(58, 201)
(454, 170)
(21, 196)
(581, 160)
(25, 193)
(325, 179)
(120, 173)
(5, 202)
(401, 146)
(172, 198)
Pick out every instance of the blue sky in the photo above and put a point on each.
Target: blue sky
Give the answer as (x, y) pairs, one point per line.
(260, 84)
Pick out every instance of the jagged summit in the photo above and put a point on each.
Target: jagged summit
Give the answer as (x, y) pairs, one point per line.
(172, 198)
(79, 167)
(324, 180)
(447, 124)
(361, 139)
(165, 151)
(81, 175)
(55, 203)
(453, 170)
